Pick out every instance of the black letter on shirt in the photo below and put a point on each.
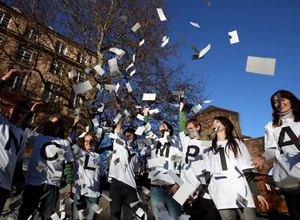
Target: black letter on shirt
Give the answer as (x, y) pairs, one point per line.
(292, 136)
(130, 156)
(86, 162)
(44, 154)
(12, 137)
(166, 147)
(196, 152)
(223, 159)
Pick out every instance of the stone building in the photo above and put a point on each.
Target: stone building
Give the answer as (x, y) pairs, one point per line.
(51, 64)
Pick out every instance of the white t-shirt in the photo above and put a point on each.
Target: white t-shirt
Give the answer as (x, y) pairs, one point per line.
(194, 160)
(163, 149)
(47, 158)
(13, 144)
(124, 163)
(88, 168)
(285, 139)
(228, 180)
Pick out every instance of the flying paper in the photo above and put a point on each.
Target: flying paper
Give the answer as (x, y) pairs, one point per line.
(82, 87)
(135, 27)
(149, 96)
(261, 65)
(161, 14)
(195, 24)
(234, 38)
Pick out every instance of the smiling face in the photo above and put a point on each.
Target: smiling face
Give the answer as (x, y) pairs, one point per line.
(88, 143)
(286, 104)
(217, 124)
(162, 128)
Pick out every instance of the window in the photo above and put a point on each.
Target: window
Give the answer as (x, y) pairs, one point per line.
(4, 19)
(60, 48)
(77, 101)
(81, 58)
(56, 68)
(30, 33)
(24, 54)
(50, 95)
(19, 83)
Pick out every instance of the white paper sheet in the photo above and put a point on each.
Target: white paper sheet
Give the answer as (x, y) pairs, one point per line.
(165, 42)
(128, 86)
(197, 108)
(175, 178)
(142, 42)
(99, 70)
(132, 72)
(234, 38)
(82, 87)
(261, 65)
(149, 96)
(110, 87)
(140, 130)
(135, 28)
(183, 193)
(195, 24)
(131, 65)
(204, 51)
(161, 14)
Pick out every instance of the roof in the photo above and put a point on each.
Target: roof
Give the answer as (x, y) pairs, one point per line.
(212, 108)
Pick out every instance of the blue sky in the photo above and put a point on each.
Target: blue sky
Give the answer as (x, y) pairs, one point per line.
(266, 28)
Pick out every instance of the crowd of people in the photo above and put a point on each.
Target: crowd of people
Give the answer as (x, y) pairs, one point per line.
(218, 170)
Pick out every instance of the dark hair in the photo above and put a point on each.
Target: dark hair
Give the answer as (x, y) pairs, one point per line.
(295, 103)
(195, 121)
(169, 127)
(231, 143)
(131, 130)
(59, 123)
(21, 104)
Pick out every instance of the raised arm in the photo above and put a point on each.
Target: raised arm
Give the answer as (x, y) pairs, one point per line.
(118, 108)
(182, 117)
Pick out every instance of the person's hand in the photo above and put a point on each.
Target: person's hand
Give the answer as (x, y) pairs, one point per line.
(181, 104)
(258, 162)
(146, 111)
(118, 101)
(12, 73)
(69, 192)
(174, 189)
(76, 120)
(36, 107)
(262, 201)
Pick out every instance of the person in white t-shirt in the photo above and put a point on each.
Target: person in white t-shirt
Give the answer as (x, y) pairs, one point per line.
(88, 169)
(124, 166)
(12, 145)
(163, 187)
(194, 167)
(232, 175)
(282, 136)
(45, 169)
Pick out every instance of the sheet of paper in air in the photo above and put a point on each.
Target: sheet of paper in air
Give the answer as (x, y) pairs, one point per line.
(95, 122)
(69, 201)
(110, 87)
(133, 58)
(153, 111)
(72, 74)
(106, 197)
(114, 69)
(131, 65)
(140, 117)
(175, 177)
(147, 127)
(55, 216)
(165, 41)
(183, 193)
(117, 87)
(119, 52)
(261, 65)
(135, 27)
(62, 215)
(99, 70)
(82, 87)
(176, 93)
(134, 204)
(142, 42)
(132, 72)
(140, 130)
(87, 128)
(140, 212)
(87, 70)
(207, 101)
(196, 56)
(155, 162)
(62, 205)
(128, 86)
(96, 208)
(149, 96)
(195, 24)
(197, 108)
(161, 14)
(234, 37)
(204, 51)
(117, 118)
(145, 190)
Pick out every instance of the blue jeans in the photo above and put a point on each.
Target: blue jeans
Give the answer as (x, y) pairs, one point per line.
(4, 194)
(162, 195)
(121, 195)
(32, 196)
(83, 202)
